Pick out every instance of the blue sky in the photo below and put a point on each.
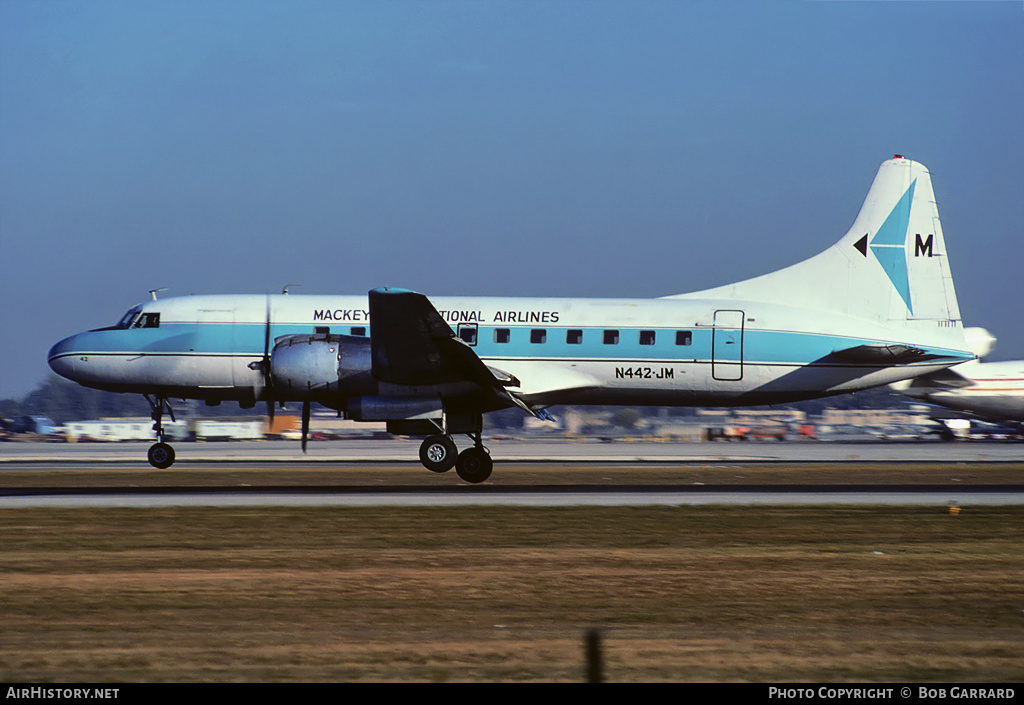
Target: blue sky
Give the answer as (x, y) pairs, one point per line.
(560, 148)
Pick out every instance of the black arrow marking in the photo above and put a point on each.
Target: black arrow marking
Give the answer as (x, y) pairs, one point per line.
(862, 245)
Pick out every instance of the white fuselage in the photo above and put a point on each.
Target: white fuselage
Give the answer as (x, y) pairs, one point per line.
(665, 352)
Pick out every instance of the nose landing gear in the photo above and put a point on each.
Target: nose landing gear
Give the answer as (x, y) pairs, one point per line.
(161, 455)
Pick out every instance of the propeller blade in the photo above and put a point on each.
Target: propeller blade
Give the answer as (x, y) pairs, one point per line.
(305, 424)
(268, 383)
(266, 332)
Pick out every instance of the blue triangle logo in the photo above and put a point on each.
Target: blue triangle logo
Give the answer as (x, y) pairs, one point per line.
(889, 246)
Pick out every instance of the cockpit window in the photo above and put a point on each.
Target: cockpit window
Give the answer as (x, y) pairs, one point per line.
(147, 320)
(135, 318)
(126, 319)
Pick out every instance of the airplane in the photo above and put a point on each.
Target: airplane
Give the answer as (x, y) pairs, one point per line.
(876, 307)
(989, 391)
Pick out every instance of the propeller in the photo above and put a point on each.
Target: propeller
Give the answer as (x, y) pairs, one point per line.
(305, 424)
(263, 366)
(268, 382)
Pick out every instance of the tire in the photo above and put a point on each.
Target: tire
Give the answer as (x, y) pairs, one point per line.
(161, 456)
(438, 453)
(474, 465)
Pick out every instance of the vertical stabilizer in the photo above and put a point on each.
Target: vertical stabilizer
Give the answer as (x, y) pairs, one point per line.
(890, 267)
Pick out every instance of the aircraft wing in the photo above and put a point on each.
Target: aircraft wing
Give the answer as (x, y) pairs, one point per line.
(411, 344)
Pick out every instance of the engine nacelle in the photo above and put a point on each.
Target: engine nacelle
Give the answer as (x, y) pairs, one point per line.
(375, 408)
(412, 415)
(320, 364)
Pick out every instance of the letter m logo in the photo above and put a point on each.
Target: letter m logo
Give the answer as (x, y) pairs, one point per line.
(923, 247)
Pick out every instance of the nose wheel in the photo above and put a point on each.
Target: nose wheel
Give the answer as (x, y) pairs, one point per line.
(161, 455)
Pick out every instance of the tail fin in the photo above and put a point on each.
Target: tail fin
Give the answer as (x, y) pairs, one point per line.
(891, 266)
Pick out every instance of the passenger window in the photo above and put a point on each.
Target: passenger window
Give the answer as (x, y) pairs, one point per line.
(359, 330)
(468, 331)
(539, 335)
(684, 337)
(574, 337)
(647, 337)
(611, 337)
(501, 335)
(322, 330)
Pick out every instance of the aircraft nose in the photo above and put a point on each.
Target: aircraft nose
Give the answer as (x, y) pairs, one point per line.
(62, 358)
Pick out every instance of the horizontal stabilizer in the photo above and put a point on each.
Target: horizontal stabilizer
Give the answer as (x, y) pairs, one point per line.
(884, 354)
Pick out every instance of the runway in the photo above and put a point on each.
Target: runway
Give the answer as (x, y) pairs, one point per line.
(371, 450)
(384, 473)
(634, 496)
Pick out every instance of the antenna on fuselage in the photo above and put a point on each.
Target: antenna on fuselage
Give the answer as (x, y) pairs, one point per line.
(153, 292)
(288, 286)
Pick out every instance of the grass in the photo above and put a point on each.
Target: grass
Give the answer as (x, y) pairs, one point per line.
(758, 594)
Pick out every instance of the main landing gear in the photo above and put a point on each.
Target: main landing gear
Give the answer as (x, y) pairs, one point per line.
(438, 454)
(161, 455)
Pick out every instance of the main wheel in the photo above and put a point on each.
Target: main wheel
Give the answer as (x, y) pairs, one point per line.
(474, 465)
(437, 453)
(161, 456)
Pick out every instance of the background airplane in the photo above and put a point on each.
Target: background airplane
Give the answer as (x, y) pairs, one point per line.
(876, 307)
(990, 391)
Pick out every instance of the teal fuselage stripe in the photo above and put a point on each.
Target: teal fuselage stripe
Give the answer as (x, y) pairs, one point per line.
(759, 346)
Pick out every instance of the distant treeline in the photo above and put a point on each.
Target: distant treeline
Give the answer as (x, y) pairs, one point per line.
(65, 401)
